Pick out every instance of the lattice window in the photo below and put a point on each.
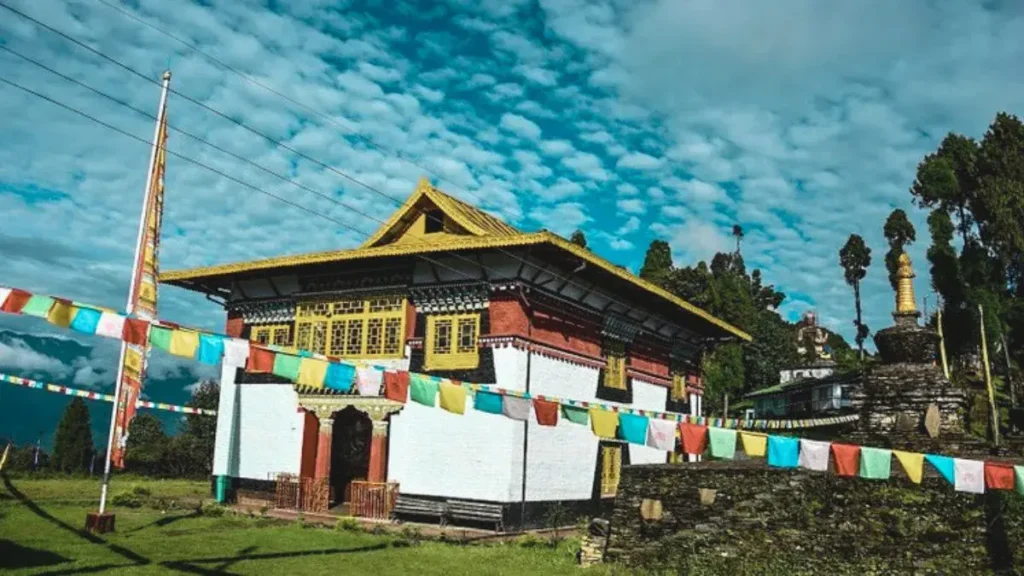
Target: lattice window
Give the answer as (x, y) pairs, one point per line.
(611, 466)
(371, 327)
(452, 342)
(678, 386)
(276, 334)
(615, 367)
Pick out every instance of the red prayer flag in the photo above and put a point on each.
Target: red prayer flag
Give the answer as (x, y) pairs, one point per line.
(16, 300)
(694, 436)
(998, 476)
(260, 360)
(547, 412)
(135, 332)
(847, 459)
(396, 386)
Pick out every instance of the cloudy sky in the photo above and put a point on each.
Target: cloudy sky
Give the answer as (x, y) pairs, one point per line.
(802, 121)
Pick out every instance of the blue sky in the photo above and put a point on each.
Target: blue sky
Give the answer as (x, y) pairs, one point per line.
(803, 121)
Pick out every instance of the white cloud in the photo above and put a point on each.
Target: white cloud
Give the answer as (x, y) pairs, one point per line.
(561, 219)
(429, 94)
(557, 147)
(631, 206)
(587, 165)
(521, 126)
(561, 189)
(537, 75)
(631, 225)
(18, 356)
(639, 161)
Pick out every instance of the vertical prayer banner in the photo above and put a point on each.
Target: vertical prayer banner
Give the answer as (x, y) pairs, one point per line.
(142, 299)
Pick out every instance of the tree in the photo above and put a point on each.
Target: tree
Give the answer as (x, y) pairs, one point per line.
(578, 238)
(723, 374)
(899, 232)
(147, 445)
(737, 233)
(657, 263)
(855, 257)
(197, 438)
(72, 442)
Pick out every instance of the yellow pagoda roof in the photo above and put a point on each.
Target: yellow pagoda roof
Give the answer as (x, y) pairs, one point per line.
(470, 229)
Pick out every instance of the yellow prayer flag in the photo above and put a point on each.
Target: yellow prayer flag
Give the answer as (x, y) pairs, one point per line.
(604, 422)
(754, 444)
(184, 343)
(133, 361)
(61, 314)
(913, 464)
(453, 397)
(312, 372)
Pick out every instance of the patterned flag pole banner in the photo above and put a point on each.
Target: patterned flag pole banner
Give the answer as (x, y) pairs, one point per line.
(69, 391)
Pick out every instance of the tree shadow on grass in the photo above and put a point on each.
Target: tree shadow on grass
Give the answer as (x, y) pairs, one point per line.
(167, 521)
(225, 562)
(14, 556)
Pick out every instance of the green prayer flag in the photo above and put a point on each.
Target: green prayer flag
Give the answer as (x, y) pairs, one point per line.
(875, 463)
(160, 338)
(1019, 473)
(723, 443)
(575, 415)
(38, 306)
(423, 389)
(287, 366)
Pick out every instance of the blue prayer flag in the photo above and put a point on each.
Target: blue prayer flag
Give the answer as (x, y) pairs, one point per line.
(488, 402)
(86, 320)
(783, 452)
(340, 376)
(944, 464)
(633, 428)
(211, 348)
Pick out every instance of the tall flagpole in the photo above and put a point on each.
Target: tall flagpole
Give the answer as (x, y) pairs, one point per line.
(132, 287)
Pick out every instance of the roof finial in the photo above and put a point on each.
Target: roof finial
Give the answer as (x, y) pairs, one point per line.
(905, 304)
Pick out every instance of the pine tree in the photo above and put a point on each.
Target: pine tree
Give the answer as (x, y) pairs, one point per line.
(579, 239)
(147, 445)
(657, 263)
(855, 257)
(72, 442)
(899, 232)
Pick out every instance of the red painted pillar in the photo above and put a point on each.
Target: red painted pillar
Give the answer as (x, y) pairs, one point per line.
(323, 449)
(378, 471)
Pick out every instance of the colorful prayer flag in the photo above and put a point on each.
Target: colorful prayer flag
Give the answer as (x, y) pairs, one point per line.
(515, 407)
(15, 301)
(487, 402)
(875, 463)
(546, 412)
(783, 452)
(136, 331)
(661, 434)
(633, 428)
(287, 366)
(847, 459)
(339, 376)
(86, 320)
(913, 464)
(453, 398)
(694, 437)
(998, 476)
(369, 380)
(944, 465)
(160, 338)
(184, 343)
(423, 389)
(814, 455)
(38, 306)
(575, 415)
(61, 314)
(396, 386)
(723, 443)
(4, 293)
(111, 325)
(211, 348)
(1018, 472)
(754, 444)
(312, 372)
(260, 360)
(604, 423)
(969, 476)
(236, 352)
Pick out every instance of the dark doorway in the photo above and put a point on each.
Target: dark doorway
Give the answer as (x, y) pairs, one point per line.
(350, 450)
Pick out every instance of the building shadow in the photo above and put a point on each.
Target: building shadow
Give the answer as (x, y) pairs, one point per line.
(15, 556)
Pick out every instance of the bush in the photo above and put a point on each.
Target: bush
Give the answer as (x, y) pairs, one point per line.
(412, 533)
(348, 524)
(212, 510)
(529, 541)
(134, 497)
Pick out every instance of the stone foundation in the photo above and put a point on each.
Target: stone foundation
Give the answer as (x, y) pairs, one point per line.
(741, 517)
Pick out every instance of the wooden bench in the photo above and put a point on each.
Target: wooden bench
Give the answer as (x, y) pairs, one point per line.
(419, 507)
(477, 512)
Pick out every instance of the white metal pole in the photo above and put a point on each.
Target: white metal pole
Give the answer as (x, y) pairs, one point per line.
(130, 307)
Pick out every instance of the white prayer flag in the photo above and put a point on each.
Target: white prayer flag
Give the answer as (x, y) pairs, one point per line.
(236, 352)
(814, 455)
(969, 475)
(661, 434)
(110, 325)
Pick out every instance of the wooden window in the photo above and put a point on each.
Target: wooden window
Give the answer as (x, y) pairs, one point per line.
(451, 342)
(611, 467)
(615, 367)
(370, 327)
(276, 334)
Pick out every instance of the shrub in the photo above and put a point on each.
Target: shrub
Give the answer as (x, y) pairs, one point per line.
(133, 497)
(212, 510)
(529, 541)
(412, 533)
(348, 524)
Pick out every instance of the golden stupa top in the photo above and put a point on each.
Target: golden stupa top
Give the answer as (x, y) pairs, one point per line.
(905, 301)
(464, 228)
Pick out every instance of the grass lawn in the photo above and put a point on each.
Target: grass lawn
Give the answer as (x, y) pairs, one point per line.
(41, 532)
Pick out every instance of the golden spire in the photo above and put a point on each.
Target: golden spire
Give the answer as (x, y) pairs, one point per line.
(905, 304)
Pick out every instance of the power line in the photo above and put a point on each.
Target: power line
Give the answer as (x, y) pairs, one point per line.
(566, 280)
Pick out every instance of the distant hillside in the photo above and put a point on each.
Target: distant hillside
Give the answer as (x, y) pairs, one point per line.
(83, 362)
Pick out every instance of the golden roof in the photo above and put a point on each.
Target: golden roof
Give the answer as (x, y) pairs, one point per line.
(478, 230)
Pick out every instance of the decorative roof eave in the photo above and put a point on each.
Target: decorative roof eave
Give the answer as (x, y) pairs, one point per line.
(181, 277)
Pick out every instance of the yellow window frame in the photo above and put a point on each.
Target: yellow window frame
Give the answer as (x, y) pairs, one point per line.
(611, 469)
(275, 334)
(451, 342)
(356, 327)
(615, 365)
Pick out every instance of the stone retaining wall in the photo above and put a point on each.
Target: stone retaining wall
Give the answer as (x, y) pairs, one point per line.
(760, 520)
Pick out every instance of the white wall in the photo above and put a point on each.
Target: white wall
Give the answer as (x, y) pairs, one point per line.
(264, 419)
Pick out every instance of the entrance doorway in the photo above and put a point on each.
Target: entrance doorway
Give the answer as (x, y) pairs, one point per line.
(350, 451)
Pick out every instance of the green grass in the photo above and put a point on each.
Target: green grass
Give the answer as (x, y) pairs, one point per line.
(41, 521)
